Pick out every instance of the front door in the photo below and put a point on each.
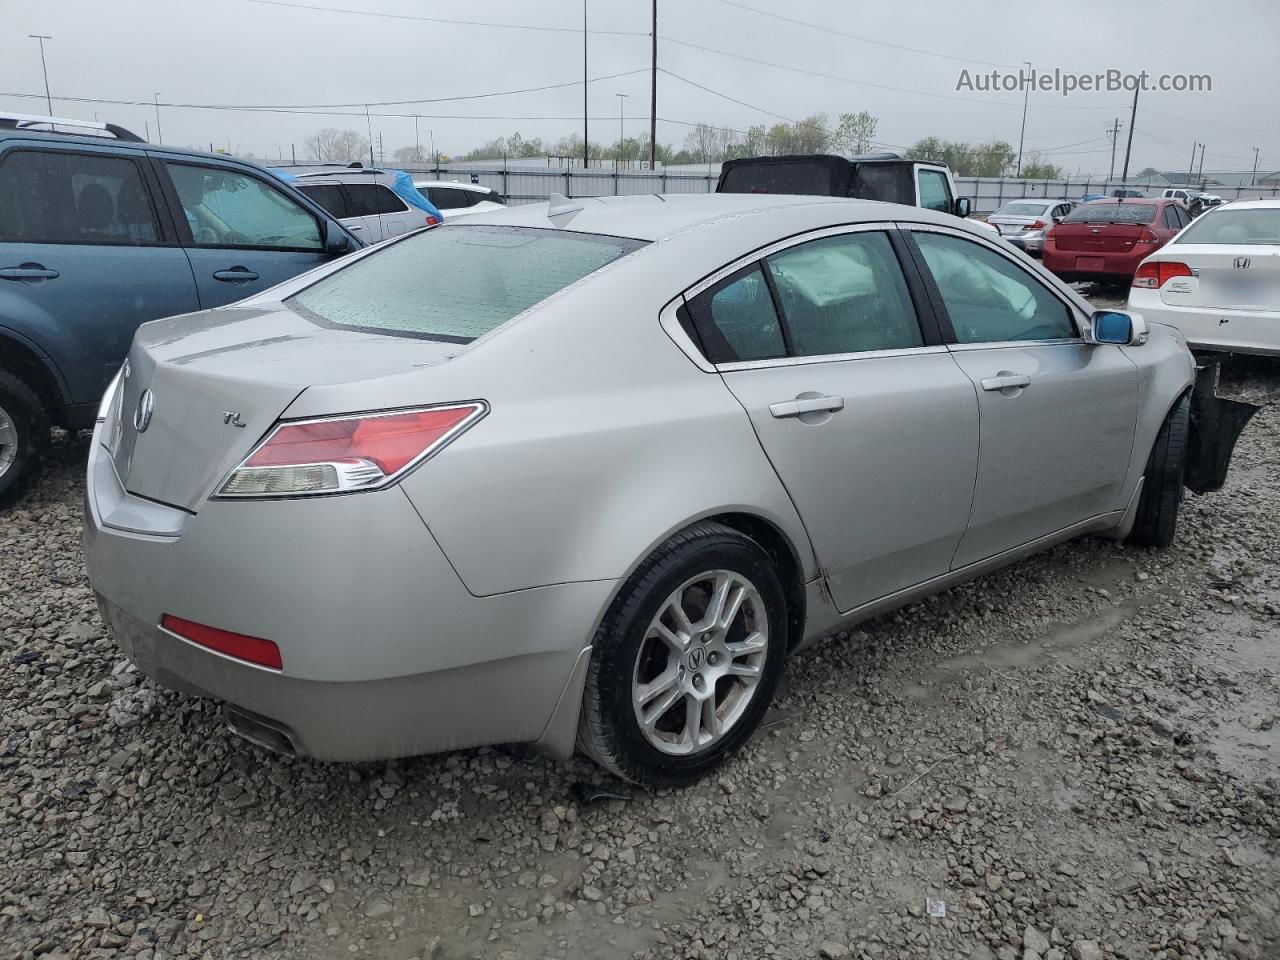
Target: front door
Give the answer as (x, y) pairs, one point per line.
(1058, 414)
(872, 428)
(83, 258)
(242, 233)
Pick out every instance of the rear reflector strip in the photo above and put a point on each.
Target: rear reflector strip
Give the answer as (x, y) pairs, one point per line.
(253, 649)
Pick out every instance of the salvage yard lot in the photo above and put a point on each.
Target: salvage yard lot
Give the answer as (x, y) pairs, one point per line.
(1075, 757)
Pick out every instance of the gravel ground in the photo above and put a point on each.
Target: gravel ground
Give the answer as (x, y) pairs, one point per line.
(1075, 757)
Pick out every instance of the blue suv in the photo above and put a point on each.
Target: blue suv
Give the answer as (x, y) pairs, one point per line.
(101, 232)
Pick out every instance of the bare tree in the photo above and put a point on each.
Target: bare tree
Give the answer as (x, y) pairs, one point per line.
(331, 145)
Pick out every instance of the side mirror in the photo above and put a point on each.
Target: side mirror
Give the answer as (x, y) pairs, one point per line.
(962, 206)
(336, 240)
(1114, 326)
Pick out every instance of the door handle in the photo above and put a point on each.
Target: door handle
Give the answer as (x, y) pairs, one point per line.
(235, 275)
(355, 226)
(794, 408)
(1006, 381)
(29, 271)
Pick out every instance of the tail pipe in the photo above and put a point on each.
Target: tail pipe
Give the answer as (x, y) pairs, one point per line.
(1216, 425)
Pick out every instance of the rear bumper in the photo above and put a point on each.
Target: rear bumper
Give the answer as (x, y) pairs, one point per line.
(384, 651)
(1206, 328)
(1081, 265)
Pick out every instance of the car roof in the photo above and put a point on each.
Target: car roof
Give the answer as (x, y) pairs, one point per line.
(657, 217)
(1263, 204)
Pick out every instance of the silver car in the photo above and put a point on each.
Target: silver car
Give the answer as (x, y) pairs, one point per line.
(585, 473)
(1024, 222)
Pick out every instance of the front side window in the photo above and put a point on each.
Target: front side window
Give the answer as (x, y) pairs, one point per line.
(56, 197)
(228, 208)
(736, 319)
(844, 294)
(988, 298)
(456, 283)
(935, 194)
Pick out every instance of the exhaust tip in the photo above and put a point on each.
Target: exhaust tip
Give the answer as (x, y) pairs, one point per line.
(263, 731)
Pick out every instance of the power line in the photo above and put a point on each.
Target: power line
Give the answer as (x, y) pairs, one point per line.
(452, 22)
(854, 36)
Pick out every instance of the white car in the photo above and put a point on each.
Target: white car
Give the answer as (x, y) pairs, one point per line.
(376, 204)
(455, 199)
(1218, 280)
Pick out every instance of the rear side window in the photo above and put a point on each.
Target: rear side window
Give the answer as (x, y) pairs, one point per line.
(845, 294)
(1171, 217)
(371, 199)
(329, 196)
(56, 197)
(456, 283)
(450, 198)
(227, 208)
(736, 319)
(988, 298)
(890, 182)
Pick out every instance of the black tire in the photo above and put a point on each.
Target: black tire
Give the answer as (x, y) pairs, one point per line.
(21, 406)
(1157, 519)
(608, 729)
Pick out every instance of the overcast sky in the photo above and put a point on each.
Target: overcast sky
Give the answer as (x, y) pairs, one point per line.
(246, 52)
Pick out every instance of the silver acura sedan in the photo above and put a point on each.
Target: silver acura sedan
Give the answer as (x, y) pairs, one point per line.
(585, 473)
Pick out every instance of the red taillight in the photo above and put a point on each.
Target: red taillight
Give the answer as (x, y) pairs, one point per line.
(1149, 236)
(345, 454)
(432, 221)
(253, 649)
(1155, 273)
(1038, 225)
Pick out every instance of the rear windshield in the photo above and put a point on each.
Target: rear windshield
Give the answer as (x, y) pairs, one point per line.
(458, 282)
(813, 179)
(1020, 210)
(1112, 213)
(1235, 226)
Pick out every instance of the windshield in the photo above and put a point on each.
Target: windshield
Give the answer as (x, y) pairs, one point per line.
(1112, 213)
(456, 283)
(1235, 226)
(1021, 210)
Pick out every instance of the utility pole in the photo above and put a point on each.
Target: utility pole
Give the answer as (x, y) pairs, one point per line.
(417, 144)
(368, 122)
(1253, 179)
(653, 96)
(586, 136)
(1200, 171)
(159, 135)
(41, 38)
(382, 155)
(293, 153)
(1114, 132)
(1026, 92)
(1133, 114)
(622, 99)
(1194, 147)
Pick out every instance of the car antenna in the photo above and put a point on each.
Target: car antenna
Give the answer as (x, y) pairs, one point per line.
(559, 205)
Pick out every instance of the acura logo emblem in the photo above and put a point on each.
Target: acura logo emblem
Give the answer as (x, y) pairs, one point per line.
(142, 415)
(1241, 263)
(697, 657)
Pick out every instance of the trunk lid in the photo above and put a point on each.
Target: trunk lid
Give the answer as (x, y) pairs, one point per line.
(1231, 277)
(218, 380)
(1099, 237)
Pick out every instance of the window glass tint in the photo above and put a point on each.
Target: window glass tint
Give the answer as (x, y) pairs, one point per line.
(989, 299)
(329, 196)
(736, 320)
(228, 208)
(73, 198)
(492, 273)
(1171, 217)
(934, 192)
(1112, 213)
(791, 177)
(448, 198)
(1226, 225)
(362, 199)
(844, 295)
(890, 182)
(387, 201)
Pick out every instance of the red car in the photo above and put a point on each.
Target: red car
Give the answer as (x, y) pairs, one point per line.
(1105, 240)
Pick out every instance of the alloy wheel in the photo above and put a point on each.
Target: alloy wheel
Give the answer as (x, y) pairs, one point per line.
(8, 442)
(700, 662)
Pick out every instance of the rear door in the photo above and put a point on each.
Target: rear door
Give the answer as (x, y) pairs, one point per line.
(867, 419)
(333, 198)
(242, 233)
(85, 257)
(1058, 414)
(364, 203)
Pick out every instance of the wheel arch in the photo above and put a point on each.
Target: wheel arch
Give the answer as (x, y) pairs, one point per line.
(22, 360)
